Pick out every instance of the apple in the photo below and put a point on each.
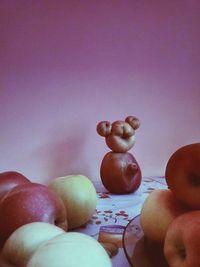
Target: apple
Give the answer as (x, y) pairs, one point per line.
(120, 173)
(4, 263)
(9, 180)
(148, 253)
(159, 209)
(30, 202)
(182, 241)
(119, 135)
(70, 249)
(140, 255)
(24, 241)
(183, 174)
(155, 252)
(79, 197)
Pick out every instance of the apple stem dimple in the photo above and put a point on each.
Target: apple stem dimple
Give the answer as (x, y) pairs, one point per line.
(181, 252)
(131, 169)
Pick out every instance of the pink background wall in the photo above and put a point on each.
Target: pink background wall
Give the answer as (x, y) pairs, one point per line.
(66, 65)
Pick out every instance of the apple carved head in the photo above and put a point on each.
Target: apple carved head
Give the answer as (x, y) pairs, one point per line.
(119, 135)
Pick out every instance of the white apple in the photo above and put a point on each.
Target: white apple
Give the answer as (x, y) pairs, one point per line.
(23, 242)
(70, 249)
(157, 212)
(79, 197)
(182, 241)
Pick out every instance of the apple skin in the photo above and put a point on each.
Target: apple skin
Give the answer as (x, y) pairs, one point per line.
(119, 135)
(30, 202)
(79, 197)
(183, 174)
(71, 249)
(158, 211)
(120, 173)
(148, 253)
(9, 180)
(24, 241)
(182, 241)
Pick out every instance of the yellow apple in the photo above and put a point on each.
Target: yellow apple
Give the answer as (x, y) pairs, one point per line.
(71, 249)
(23, 242)
(157, 212)
(79, 196)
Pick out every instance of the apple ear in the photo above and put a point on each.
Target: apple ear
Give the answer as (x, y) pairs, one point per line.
(133, 121)
(104, 128)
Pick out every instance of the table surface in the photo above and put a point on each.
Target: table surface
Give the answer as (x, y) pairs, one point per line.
(119, 210)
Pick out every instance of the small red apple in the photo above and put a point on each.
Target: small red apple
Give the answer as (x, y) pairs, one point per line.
(120, 173)
(9, 180)
(183, 174)
(30, 202)
(182, 241)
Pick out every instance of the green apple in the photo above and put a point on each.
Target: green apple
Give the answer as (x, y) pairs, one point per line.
(79, 197)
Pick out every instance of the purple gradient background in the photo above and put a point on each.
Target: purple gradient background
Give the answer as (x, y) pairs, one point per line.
(66, 65)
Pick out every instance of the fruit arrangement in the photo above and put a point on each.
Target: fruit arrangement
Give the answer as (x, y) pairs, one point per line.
(171, 217)
(36, 219)
(119, 170)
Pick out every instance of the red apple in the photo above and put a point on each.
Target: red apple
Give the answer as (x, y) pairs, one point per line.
(159, 209)
(30, 202)
(120, 173)
(9, 180)
(183, 174)
(148, 253)
(182, 241)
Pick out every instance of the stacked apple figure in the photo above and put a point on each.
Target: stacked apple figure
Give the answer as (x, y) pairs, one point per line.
(119, 170)
(36, 219)
(171, 216)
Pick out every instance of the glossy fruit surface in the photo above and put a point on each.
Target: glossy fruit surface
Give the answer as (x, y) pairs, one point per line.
(9, 180)
(183, 174)
(120, 173)
(30, 202)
